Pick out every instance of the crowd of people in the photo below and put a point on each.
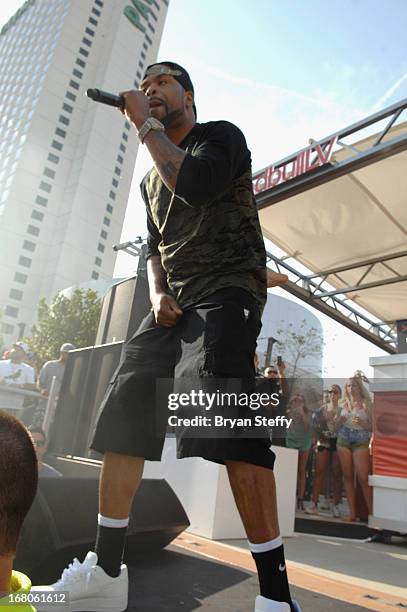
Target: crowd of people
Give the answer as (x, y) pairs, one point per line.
(18, 371)
(332, 438)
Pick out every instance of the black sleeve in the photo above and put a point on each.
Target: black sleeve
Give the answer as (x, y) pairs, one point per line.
(153, 238)
(153, 235)
(220, 158)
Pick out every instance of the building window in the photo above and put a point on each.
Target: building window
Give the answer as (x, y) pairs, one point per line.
(127, 125)
(29, 246)
(148, 39)
(138, 74)
(143, 55)
(120, 159)
(83, 51)
(145, 46)
(70, 96)
(36, 214)
(90, 32)
(31, 229)
(98, 261)
(101, 247)
(112, 195)
(151, 28)
(80, 63)
(64, 120)
(99, 2)
(140, 64)
(103, 234)
(109, 208)
(16, 294)
(92, 21)
(115, 182)
(73, 84)
(11, 311)
(117, 171)
(41, 201)
(87, 42)
(95, 275)
(45, 186)
(57, 145)
(60, 132)
(125, 136)
(122, 148)
(25, 261)
(53, 158)
(77, 73)
(106, 221)
(50, 173)
(20, 278)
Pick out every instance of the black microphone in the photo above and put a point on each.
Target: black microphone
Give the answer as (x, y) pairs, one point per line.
(105, 97)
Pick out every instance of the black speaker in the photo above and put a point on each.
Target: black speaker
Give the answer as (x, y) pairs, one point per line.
(124, 307)
(61, 523)
(86, 377)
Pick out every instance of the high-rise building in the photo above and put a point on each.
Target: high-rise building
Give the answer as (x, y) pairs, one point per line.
(66, 162)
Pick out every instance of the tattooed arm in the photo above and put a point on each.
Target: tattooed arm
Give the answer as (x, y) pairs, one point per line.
(167, 157)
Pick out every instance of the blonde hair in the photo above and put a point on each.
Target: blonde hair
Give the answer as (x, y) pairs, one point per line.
(359, 378)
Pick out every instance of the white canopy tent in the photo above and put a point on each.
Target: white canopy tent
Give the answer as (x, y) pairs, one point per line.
(345, 220)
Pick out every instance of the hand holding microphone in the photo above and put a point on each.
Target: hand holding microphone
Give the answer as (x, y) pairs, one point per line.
(98, 95)
(134, 104)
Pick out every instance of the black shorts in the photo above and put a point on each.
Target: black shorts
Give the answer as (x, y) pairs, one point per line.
(214, 338)
(327, 445)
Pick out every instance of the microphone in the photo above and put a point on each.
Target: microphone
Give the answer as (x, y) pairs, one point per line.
(105, 97)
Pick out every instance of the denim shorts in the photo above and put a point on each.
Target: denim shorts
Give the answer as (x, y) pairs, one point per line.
(213, 339)
(353, 439)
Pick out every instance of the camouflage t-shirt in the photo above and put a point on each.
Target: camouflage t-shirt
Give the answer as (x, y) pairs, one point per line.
(208, 233)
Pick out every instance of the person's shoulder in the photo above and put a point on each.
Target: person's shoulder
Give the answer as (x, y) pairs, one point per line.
(220, 126)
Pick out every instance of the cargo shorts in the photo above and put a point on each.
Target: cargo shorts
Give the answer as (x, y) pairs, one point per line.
(215, 339)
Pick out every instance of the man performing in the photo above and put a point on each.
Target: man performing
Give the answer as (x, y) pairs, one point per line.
(207, 277)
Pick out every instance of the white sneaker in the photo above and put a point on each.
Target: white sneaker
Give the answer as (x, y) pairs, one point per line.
(89, 588)
(311, 509)
(270, 605)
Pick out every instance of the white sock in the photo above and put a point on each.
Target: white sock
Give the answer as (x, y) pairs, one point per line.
(105, 521)
(265, 546)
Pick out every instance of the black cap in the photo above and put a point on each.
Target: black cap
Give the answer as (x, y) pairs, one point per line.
(176, 71)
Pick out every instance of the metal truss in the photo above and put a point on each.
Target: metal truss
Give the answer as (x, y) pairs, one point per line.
(359, 286)
(380, 149)
(310, 289)
(306, 288)
(133, 247)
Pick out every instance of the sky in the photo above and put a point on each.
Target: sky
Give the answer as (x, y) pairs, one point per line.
(284, 72)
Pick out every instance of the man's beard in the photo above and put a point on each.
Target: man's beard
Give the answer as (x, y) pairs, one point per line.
(171, 118)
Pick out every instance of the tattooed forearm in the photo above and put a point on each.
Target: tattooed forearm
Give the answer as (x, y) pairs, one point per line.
(169, 170)
(167, 157)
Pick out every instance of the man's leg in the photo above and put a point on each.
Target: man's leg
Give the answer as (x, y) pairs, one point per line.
(254, 491)
(119, 480)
